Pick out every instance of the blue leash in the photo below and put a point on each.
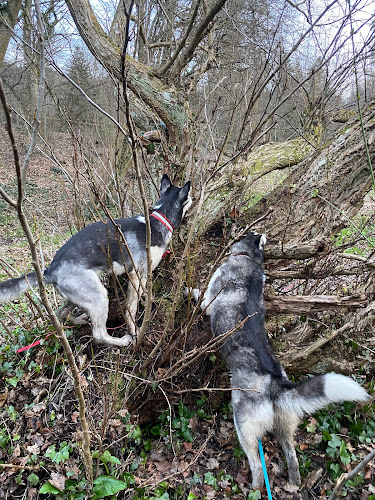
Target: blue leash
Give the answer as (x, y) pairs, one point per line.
(264, 469)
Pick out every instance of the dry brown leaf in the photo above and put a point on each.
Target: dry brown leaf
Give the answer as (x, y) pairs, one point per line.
(58, 481)
(369, 473)
(3, 397)
(209, 491)
(75, 417)
(17, 451)
(313, 478)
(32, 494)
(33, 450)
(290, 488)
(212, 463)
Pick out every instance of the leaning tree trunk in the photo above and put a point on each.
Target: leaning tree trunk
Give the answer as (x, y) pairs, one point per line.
(323, 193)
(232, 187)
(162, 99)
(325, 188)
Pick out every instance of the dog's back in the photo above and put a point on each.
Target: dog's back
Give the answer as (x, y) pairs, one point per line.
(263, 398)
(236, 289)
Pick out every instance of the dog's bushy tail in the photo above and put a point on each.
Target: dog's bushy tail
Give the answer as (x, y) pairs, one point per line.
(15, 287)
(313, 394)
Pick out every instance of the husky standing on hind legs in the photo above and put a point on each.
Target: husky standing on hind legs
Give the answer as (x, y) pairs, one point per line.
(99, 249)
(270, 402)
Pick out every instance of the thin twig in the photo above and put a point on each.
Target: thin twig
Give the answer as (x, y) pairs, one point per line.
(148, 305)
(34, 254)
(20, 467)
(345, 477)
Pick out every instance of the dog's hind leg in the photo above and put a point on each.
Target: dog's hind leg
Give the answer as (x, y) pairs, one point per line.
(252, 421)
(85, 290)
(247, 436)
(285, 426)
(135, 291)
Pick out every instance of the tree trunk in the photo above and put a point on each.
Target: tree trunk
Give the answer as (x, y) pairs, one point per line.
(232, 186)
(9, 11)
(164, 100)
(31, 62)
(323, 193)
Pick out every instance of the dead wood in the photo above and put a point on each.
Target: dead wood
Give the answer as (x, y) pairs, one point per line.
(299, 251)
(303, 304)
(289, 358)
(307, 274)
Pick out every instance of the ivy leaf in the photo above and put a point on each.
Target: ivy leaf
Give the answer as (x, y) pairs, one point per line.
(333, 444)
(33, 479)
(107, 457)
(344, 455)
(48, 488)
(254, 495)
(12, 381)
(106, 486)
(58, 456)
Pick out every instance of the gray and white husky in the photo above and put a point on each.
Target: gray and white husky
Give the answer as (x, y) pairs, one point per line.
(268, 401)
(100, 248)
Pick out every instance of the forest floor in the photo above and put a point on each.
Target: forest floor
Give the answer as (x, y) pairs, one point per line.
(160, 441)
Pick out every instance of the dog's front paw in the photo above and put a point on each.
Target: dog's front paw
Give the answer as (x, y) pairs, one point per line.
(192, 292)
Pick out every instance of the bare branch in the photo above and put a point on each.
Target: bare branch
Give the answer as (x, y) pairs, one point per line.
(181, 45)
(186, 56)
(345, 477)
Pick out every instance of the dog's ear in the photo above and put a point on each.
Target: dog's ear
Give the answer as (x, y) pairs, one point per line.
(184, 191)
(164, 184)
(258, 239)
(262, 241)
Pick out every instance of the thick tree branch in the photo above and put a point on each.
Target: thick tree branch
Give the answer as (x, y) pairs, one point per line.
(186, 56)
(304, 304)
(162, 99)
(8, 19)
(297, 251)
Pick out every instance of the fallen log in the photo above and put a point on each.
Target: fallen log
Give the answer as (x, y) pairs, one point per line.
(299, 251)
(308, 274)
(303, 304)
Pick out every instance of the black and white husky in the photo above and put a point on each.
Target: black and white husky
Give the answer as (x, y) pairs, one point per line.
(268, 401)
(102, 248)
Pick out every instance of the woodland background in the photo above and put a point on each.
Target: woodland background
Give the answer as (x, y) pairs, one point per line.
(268, 108)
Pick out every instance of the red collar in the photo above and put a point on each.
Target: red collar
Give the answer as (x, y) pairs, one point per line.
(163, 219)
(243, 253)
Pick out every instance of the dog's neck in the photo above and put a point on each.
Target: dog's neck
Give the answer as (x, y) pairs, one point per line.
(163, 219)
(240, 254)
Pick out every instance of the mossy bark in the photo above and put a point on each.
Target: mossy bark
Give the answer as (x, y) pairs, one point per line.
(232, 187)
(164, 100)
(324, 192)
